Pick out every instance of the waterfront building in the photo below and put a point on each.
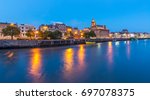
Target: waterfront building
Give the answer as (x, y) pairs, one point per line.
(115, 35)
(43, 28)
(82, 34)
(123, 34)
(53, 27)
(146, 35)
(24, 28)
(125, 31)
(100, 30)
(132, 34)
(69, 33)
(76, 33)
(59, 26)
(126, 34)
(69, 29)
(72, 32)
(86, 30)
(142, 35)
(4, 25)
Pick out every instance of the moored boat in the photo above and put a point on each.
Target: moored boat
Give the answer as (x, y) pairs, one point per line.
(90, 43)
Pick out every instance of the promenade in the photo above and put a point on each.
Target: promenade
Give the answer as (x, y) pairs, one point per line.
(13, 44)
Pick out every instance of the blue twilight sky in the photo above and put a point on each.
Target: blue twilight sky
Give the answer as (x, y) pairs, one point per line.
(116, 14)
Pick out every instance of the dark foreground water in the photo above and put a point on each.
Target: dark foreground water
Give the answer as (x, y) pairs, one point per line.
(127, 61)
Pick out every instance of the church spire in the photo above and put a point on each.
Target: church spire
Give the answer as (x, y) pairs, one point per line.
(93, 23)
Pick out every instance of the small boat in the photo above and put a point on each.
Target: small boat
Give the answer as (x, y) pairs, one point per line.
(90, 43)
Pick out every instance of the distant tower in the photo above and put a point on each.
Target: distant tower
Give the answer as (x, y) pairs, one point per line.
(93, 23)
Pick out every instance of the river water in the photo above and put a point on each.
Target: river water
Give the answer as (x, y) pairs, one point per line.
(110, 62)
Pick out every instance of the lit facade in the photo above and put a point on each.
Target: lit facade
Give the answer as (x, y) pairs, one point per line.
(2, 26)
(72, 32)
(69, 29)
(100, 30)
(44, 28)
(76, 33)
(69, 33)
(59, 26)
(24, 28)
(85, 30)
(53, 27)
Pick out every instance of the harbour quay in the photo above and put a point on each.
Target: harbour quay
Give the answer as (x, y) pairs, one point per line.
(13, 44)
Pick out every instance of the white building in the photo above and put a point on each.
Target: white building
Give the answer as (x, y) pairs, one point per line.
(53, 27)
(60, 26)
(24, 29)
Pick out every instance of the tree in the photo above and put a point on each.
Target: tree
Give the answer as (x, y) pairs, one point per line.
(90, 34)
(55, 35)
(52, 35)
(11, 31)
(45, 35)
(69, 35)
(30, 33)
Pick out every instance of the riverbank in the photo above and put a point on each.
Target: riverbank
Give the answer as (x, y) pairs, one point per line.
(13, 44)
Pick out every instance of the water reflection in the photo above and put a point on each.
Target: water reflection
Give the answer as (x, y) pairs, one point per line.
(110, 53)
(9, 54)
(99, 45)
(80, 63)
(81, 57)
(68, 61)
(117, 43)
(128, 49)
(35, 64)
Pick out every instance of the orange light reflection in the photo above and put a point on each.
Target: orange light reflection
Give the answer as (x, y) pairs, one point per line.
(81, 57)
(110, 53)
(35, 64)
(128, 49)
(68, 61)
(9, 54)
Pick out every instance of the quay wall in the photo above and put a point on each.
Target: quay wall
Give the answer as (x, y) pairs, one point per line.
(4, 44)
